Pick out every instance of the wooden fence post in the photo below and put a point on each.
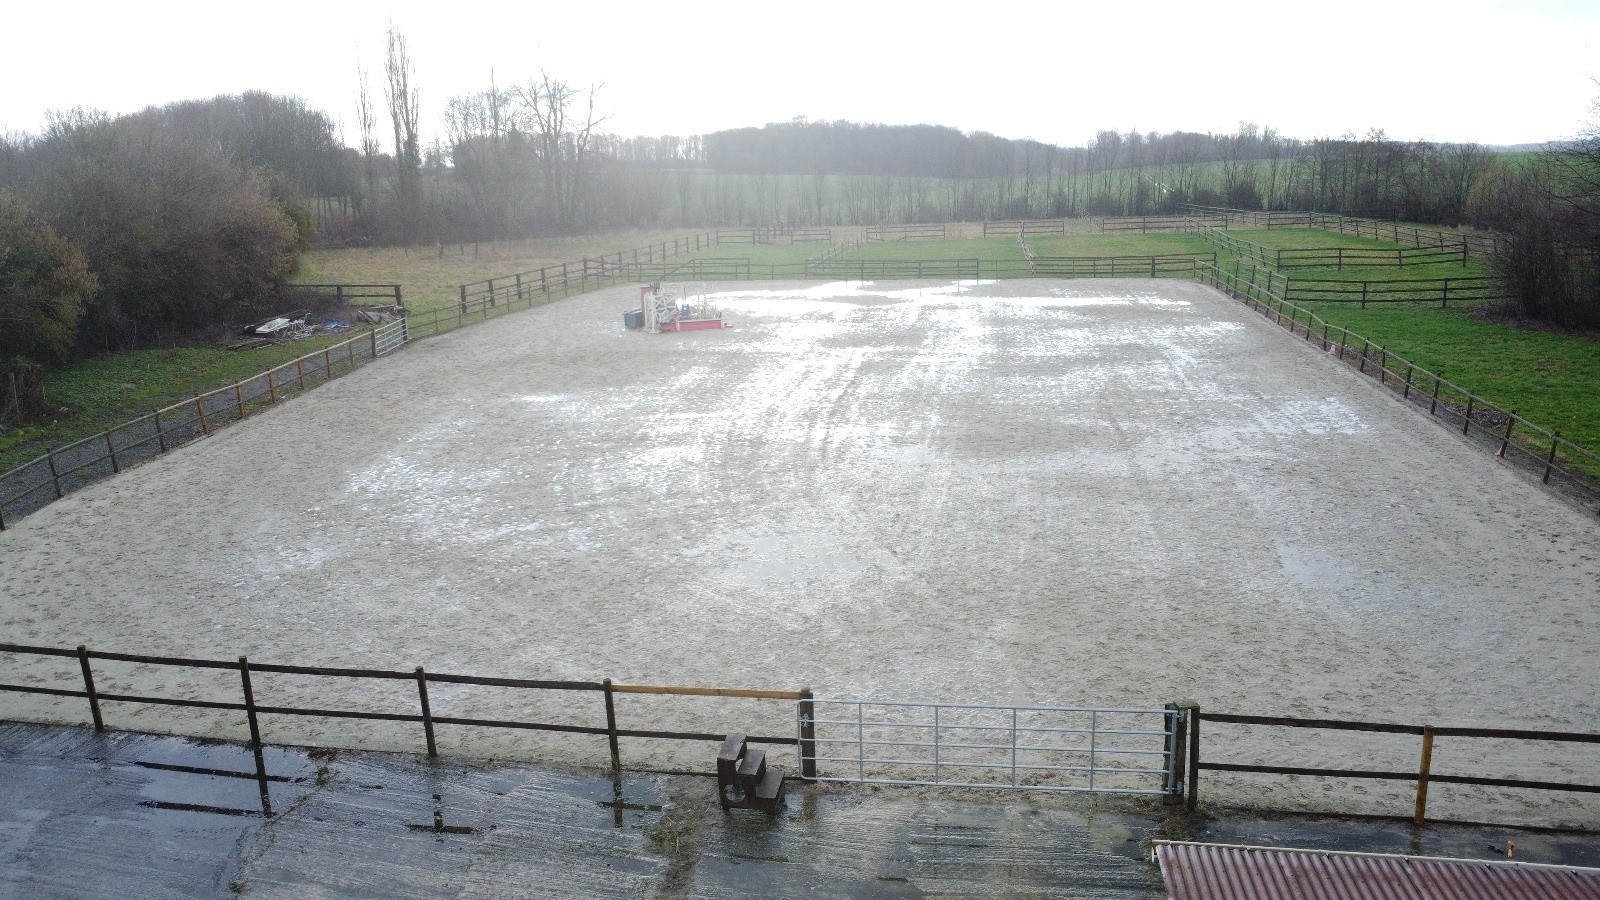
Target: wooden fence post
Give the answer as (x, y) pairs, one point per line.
(808, 734)
(300, 369)
(55, 475)
(1191, 778)
(1466, 421)
(238, 398)
(200, 410)
(427, 711)
(1433, 405)
(1505, 441)
(88, 688)
(249, 702)
(1424, 769)
(611, 729)
(255, 736)
(111, 450)
(1550, 461)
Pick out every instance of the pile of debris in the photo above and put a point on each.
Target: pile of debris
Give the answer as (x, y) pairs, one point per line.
(292, 326)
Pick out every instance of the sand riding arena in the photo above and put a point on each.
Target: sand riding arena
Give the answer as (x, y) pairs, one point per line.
(1024, 492)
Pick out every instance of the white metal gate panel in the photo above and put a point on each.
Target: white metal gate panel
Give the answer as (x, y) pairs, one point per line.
(390, 336)
(1040, 748)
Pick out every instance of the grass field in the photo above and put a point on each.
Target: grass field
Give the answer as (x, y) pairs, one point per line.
(1551, 379)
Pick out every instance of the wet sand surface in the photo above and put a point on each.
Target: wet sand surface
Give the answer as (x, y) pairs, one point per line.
(135, 815)
(1041, 492)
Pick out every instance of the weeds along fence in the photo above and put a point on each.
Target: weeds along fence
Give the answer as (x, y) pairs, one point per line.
(1514, 743)
(1571, 470)
(589, 707)
(63, 470)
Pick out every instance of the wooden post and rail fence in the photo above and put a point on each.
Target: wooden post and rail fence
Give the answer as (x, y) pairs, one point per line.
(426, 717)
(1183, 744)
(1539, 451)
(1423, 776)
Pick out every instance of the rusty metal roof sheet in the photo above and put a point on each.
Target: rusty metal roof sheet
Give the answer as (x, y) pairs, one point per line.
(1221, 872)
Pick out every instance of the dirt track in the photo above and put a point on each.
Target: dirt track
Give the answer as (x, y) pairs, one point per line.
(1044, 492)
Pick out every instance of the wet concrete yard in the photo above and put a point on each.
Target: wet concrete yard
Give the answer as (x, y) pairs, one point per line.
(134, 815)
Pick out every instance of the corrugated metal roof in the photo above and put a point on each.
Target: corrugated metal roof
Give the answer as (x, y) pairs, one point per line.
(1223, 872)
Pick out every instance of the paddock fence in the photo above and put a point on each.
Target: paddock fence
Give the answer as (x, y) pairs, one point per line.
(344, 293)
(862, 269)
(1409, 290)
(63, 470)
(1024, 227)
(1121, 750)
(1158, 266)
(1484, 244)
(1567, 468)
(1512, 744)
(879, 233)
(1149, 224)
(588, 709)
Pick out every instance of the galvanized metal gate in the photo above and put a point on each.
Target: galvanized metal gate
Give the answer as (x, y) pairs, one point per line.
(1037, 748)
(390, 336)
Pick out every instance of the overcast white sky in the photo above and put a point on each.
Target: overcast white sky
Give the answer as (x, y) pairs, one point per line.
(1464, 70)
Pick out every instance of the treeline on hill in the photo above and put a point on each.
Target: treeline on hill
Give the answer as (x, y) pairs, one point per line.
(504, 174)
(114, 231)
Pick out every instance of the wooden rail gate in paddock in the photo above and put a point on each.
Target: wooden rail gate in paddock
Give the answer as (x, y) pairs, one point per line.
(1035, 748)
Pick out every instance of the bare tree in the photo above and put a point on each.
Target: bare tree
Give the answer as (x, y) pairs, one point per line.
(368, 121)
(562, 135)
(400, 90)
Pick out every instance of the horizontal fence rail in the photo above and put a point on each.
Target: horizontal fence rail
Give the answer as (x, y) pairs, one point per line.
(877, 233)
(343, 292)
(83, 462)
(1408, 290)
(1024, 227)
(894, 268)
(1181, 264)
(1039, 748)
(601, 722)
(1422, 776)
(1484, 244)
(1147, 224)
